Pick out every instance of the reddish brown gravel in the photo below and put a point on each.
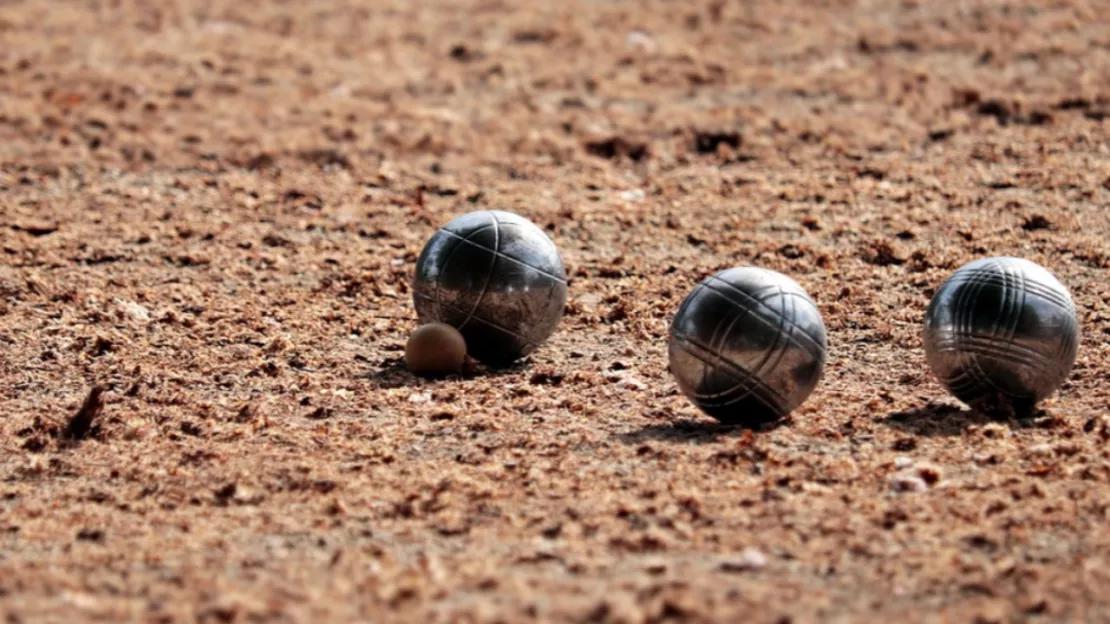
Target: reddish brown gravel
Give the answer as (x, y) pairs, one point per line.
(211, 210)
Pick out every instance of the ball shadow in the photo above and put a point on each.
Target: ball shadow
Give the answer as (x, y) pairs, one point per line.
(500, 370)
(689, 431)
(392, 373)
(945, 420)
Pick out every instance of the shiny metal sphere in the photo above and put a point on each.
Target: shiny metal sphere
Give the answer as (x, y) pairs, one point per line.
(1001, 333)
(747, 346)
(495, 277)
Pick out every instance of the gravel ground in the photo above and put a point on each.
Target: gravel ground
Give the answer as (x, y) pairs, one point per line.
(209, 216)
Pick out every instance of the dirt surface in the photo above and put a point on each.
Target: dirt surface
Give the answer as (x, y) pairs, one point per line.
(210, 214)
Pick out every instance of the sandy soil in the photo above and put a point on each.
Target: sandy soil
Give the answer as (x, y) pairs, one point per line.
(212, 209)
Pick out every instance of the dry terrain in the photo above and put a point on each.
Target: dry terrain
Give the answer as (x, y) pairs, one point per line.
(209, 215)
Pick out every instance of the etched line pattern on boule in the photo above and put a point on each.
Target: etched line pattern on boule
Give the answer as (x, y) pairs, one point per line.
(965, 382)
(985, 382)
(765, 394)
(754, 307)
(975, 380)
(814, 342)
(459, 242)
(506, 257)
(497, 278)
(1016, 293)
(747, 345)
(778, 349)
(717, 344)
(759, 302)
(492, 267)
(785, 334)
(1002, 328)
(1044, 291)
(483, 321)
(524, 224)
(1008, 314)
(783, 322)
(1069, 346)
(997, 348)
(1020, 299)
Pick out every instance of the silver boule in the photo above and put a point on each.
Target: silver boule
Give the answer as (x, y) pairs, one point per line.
(495, 277)
(1001, 334)
(747, 345)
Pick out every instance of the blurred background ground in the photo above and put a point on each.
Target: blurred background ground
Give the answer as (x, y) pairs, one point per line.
(212, 209)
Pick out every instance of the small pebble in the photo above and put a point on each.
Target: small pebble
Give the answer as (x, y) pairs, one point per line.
(134, 310)
(1040, 450)
(749, 559)
(639, 40)
(655, 566)
(908, 483)
(634, 195)
(626, 381)
(928, 473)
